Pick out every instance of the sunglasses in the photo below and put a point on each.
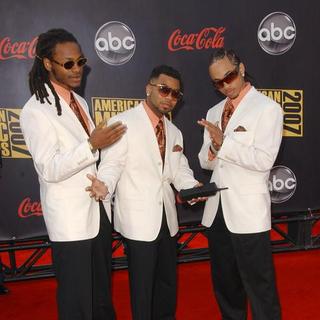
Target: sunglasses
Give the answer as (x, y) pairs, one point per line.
(164, 91)
(70, 64)
(219, 84)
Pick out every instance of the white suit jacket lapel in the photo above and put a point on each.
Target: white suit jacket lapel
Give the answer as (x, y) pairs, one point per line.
(67, 117)
(241, 111)
(71, 117)
(150, 138)
(168, 137)
(91, 123)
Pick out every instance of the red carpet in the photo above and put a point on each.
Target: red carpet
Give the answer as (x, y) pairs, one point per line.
(298, 277)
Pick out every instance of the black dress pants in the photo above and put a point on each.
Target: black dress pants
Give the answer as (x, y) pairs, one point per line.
(83, 272)
(152, 275)
(242, 269)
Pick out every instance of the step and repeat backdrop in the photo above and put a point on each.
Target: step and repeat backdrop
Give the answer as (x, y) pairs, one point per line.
(278, 42)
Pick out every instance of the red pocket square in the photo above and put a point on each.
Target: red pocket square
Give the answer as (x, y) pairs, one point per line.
(177, 148)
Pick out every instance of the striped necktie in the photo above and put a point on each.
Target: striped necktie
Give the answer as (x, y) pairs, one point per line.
(76, 109)
(161, 138)
(227, 113)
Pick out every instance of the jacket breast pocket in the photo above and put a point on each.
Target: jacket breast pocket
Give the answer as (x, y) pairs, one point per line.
(243, 137)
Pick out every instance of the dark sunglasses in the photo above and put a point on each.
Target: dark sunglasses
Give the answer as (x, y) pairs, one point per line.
(70, 64)
(219, 84)
(164, 91)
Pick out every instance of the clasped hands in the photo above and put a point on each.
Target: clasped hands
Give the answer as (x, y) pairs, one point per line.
(215, 133)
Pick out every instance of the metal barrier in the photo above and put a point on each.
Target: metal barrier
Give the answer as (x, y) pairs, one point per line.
(290, 232)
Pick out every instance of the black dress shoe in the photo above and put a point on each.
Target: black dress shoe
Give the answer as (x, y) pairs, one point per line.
(3, 289)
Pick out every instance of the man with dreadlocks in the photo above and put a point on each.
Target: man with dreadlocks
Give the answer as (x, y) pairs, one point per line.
(64, 146)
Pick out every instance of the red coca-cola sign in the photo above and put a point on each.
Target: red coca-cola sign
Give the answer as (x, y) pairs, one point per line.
(18, 49)
(207, 38)
(28, 208)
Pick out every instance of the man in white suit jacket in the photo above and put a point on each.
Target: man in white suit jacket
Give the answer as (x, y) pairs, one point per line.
(64, 146)
(144, 208)
(239, 218)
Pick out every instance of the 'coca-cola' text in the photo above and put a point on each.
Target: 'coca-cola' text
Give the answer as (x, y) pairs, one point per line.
(17, 50)
(207, 38)
(28, 208)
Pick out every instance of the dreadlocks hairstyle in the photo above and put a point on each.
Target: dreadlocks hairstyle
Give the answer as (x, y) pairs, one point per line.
(39, 76)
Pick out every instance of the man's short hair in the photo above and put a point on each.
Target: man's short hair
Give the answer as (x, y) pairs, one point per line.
(168, 71)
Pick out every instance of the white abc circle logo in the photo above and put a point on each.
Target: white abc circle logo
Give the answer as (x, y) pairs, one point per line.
(282, 184)
(115, 43)
(276, 33)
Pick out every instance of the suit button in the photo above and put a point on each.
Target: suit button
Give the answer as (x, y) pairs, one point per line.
(160, 203)
(160, 163)
(221, 165)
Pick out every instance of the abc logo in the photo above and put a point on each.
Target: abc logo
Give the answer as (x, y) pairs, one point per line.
(115, 43)
(282, 184)
(276, 33)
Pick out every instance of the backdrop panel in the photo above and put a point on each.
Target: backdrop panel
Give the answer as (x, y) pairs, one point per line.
(124, 40)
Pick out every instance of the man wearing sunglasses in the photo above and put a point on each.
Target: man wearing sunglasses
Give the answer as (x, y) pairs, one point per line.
(144, 163)
(242, 137)
(64, 144)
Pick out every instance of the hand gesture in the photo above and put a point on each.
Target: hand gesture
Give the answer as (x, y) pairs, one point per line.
(215, 133)
(103, 136)
(98, 189)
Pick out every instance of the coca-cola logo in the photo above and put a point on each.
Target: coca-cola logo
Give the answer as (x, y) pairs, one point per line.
(207, 38)
(28, 208)
(17, 50)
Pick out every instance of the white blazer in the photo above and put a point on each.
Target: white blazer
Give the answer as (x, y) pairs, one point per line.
(62, 158)
(243, 163)
(133, 167)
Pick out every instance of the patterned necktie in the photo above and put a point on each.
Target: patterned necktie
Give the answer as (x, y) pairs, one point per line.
(227, 113)
(75, 108)
(161, 138)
